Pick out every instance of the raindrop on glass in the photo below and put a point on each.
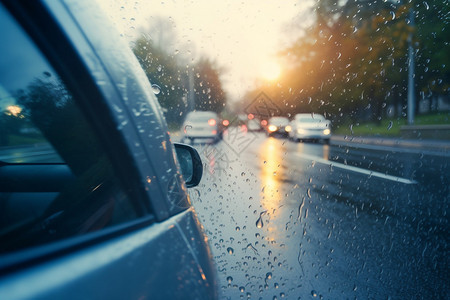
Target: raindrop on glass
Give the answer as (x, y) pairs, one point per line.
(393, 15)
(156, 89)
(390, 125)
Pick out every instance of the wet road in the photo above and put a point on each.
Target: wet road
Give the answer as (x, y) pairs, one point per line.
(304, 221)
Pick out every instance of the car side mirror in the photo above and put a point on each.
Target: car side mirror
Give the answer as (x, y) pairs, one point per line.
(190, 163)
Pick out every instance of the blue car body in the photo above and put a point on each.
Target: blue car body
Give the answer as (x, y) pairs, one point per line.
(162, 253)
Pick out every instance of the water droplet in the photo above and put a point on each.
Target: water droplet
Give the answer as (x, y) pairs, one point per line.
(230, 250)
(393, 15)
(426, 5)
(156, 89)
(238, 228)
(390, 125)
(313, 293)
(242, 289)
(186, 128)
(259, 222)
(229, 279)
(269, 275)
(243, 174)
(308, 192)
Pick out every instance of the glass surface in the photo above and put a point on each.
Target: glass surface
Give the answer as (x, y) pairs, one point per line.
(185, 161)
(56, 180)
(362, 215)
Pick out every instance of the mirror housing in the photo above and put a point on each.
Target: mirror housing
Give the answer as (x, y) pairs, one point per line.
(190, 163)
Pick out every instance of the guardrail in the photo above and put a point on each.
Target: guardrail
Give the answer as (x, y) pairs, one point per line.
(434, 132)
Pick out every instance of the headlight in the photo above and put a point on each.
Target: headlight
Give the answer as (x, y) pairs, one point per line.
(288, 128)
(272, 128)
(301, 131)
(326, 131)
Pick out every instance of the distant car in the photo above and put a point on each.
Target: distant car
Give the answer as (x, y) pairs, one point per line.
(277, 126)
(93, 199)
(310, 127)
(202, 125)
(254, 125)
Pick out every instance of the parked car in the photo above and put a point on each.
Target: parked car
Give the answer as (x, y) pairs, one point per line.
(93, 201)
(277, 126)
(202, 125)
(310, 127)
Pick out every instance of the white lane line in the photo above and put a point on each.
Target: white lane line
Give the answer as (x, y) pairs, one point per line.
(355, 169)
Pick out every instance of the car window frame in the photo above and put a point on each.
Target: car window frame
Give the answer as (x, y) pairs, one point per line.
(49, 39)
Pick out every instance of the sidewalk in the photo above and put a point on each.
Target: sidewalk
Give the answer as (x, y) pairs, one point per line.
(439, 147)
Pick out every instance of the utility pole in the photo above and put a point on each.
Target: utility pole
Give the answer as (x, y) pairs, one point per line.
(411, 63)
(191, 94)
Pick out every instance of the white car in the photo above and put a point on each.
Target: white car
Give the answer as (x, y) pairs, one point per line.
(310, 127)
(201, 125)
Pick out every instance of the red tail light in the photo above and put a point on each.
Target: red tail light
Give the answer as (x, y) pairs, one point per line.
(211, 122)
(225, 122)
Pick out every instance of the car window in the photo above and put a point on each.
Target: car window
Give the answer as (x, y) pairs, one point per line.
(354, 206)
(200, 118)
(56, 180)
(310, 120)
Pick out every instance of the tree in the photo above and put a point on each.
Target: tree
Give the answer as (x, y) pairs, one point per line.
(209, 95)
(163, 70)
(172, 74)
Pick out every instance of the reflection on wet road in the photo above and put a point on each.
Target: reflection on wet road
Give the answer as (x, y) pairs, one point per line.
(300, 220)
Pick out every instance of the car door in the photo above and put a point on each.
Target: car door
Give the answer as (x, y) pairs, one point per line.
(78, 218)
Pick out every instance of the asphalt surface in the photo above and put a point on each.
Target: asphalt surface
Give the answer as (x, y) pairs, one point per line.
(306, 220)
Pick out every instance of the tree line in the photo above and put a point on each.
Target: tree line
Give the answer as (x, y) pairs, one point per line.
(352, 64)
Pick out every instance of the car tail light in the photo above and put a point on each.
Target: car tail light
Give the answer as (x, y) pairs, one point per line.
(212, 122)
(225, 122)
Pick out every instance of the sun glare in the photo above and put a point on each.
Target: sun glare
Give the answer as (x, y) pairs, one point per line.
(270, 71)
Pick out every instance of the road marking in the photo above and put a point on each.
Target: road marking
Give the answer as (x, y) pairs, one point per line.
(355, 169)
